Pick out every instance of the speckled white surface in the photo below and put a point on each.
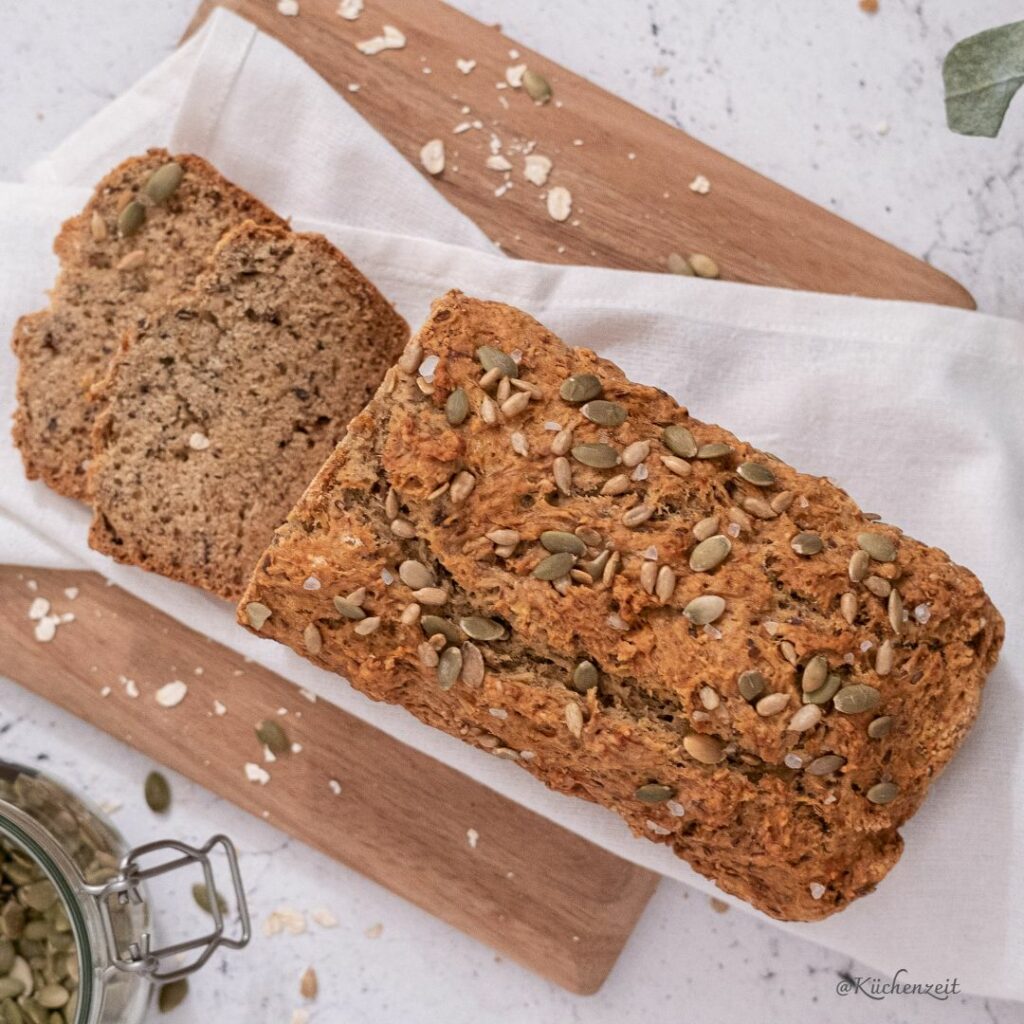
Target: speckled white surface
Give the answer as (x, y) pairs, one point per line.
(842, 107)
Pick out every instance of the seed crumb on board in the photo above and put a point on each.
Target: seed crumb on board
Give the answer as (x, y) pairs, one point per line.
(323, 917)
(391, 39)
(39, 609)
(869, 6)
(309, 986)
(309, 695)
(559, 203)
(472, 837)
(131, 688)
(700, 185)
(374, 931)
(350, 9)
(717, 905)
(171, 694)
(335, 786)
(255, 773)
(536, 168)
(289, 8)
(284, 919)
(432, 156)
(219, 708)
(514, 75)
(465, 65)
(71, 593)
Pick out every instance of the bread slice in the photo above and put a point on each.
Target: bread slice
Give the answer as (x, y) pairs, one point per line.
(117, 267)
(222, 406)
(636, 607)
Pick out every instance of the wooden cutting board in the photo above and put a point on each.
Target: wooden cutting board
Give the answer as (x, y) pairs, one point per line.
(533, 891)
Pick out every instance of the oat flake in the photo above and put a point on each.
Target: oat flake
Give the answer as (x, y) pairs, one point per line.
(39, 608)
(350, 9)
(289, 8)
(472, 837)
(536, 169)
(700, 185)
(324, 918)
(465, 65)
(171, 694)
(432, 156)
(46, 628)
(256, 773)
(559, 203)
(392, 39)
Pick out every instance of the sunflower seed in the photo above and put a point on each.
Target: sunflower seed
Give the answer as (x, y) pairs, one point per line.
(411, 358)
(473, 667)
(477, 627)
(589, 537)
(740, 518)
(771, 704)
(751, 684)
(878, 586)
(884, 658)
(98, 227)
(654, 793)
(709, 698)
(562, 441)
(807, 544)
(561, 470)
(856, 698)
(349, 609)
(715, 450)
(449, 667)
(883, 792)
(758, 507)
(615, 485)
(804, 718)
(536, 86)
(755, 473)
(585, 676)
(706, 528)
(788, 651)
(132, 261)
(164, 182)
(410, 614)
(710, 553)
(674, 465)
(605, 414)
(859, 563)
(503, 538)
(666, 584)
(637, 515)
(403, 529)
(610, 569)
(706, 749)
(848, 606)
(596, 455)
(312, 639)
(456, 409)
(558, 540)
(815, 673)
(597, 566)
(488, 410)
(505, 550)
(648, 576)
(703, 266)
(516, 405)
(826, 692)
(308, 984)
(677, 265)
(635, 453)
(492, 358)
(427, 655)
(580, 388)
(367, 626)
(131, 218)
(679, 441)
(880, 727)
(705, 609)
(554, 566)
(257, 614)
(158, 793)
(826, 764)
(896, 612)
(781, 502)
(462, 487)
(878, 546)
(172, 995)
(415, 575)
(574, 719)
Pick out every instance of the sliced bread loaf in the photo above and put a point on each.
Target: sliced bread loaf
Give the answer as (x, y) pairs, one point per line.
(145, 234)
(222, 406)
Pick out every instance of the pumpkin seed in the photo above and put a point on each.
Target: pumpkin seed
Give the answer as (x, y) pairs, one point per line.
(679, 441)
(554, 566)
(456, 409)
(257, 614)
(596, 455)
(273, 737)
(710, 553)
(536, 86)
(771, 704)
(492, 358)
(580, 388)
(856, 698)
(157, 791)
(714, 451)
(558, 540)
(815, 673)
(433, 625)
(703, 610)
(751, 683)
(654, 793)
(755, 473)
(605, 414)
(201, 895)
(804, 718)
(878, 546)
(883, 792)
(826, 692)
(172, 995)
(348, 609)
(589, 537)
(807, 544)
(826, 764)
(479, 628)
(449, 667)
(164, 182)
(131, 218)
(706, 749)
(585, 676)
(880, 727)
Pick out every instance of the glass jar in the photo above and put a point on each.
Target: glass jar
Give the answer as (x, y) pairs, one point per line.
(73, 911)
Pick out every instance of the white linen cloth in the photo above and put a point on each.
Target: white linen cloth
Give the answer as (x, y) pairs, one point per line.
(916, 409)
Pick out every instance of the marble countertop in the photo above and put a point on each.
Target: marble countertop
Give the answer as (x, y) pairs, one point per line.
(841, 106)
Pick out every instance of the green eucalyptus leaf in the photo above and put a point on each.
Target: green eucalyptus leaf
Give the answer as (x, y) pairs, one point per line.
(982, 73)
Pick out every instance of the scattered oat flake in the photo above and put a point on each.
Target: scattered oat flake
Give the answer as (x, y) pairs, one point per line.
(255, 773)
(514, 75)
(289, 8)
(350, 9)
(392, 39)
(131, 688)
(71, 593)
(464, 65)
(432, 156)
(46, 628)
(335, 786)
(171, 694)
(324, 918)
(536, 169)
(374, 931)
(472, 837)
(559, 203)
(39, 608)
(219, 708)
(497, 162)
(700, 185)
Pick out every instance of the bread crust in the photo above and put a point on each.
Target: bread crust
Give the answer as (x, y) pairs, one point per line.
(739, 798)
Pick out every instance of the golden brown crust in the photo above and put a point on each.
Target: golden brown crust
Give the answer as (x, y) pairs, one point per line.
(742, 797)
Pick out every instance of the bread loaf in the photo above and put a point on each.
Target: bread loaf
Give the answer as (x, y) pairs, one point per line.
(222, 405)
(566, 570)
(145, 234)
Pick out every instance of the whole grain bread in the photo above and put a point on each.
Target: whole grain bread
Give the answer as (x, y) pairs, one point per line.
(565, 569)
(138, 241)
(220, 408)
